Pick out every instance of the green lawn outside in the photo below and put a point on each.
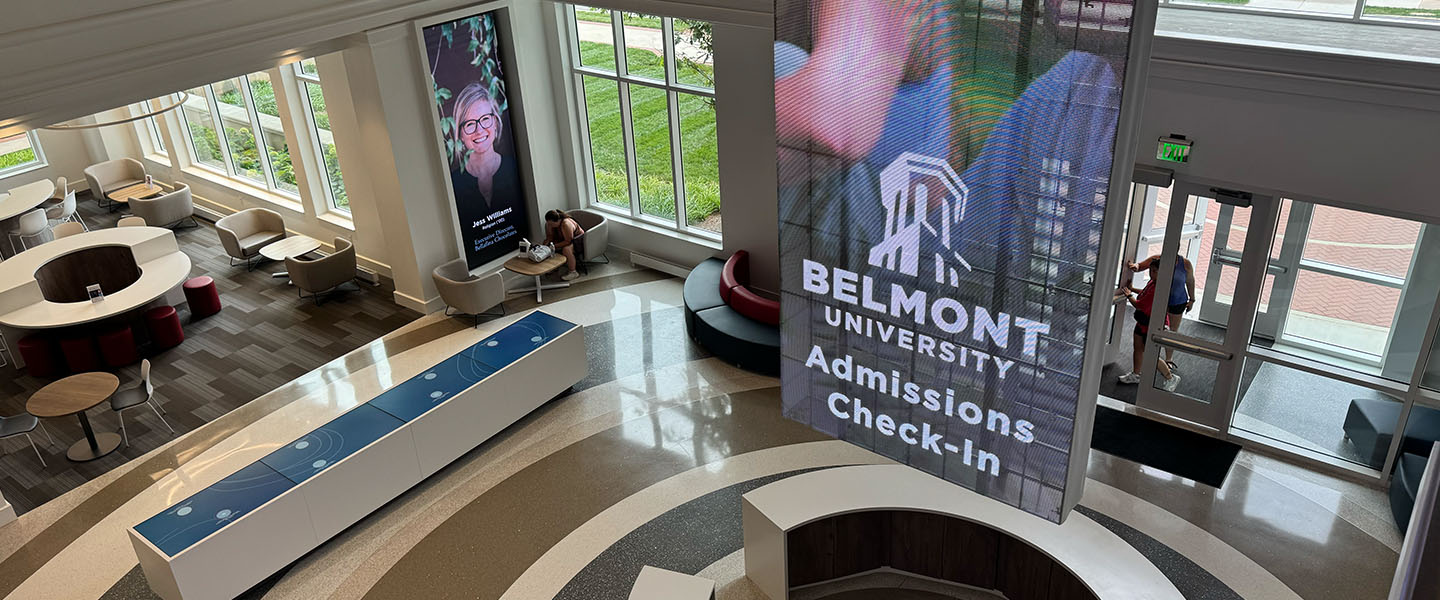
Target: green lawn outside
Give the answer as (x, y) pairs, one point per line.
(16, 158)
(1394, 11)
(699, 155)
(600, 15)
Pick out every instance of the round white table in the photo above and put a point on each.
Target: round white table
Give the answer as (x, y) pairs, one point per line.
(163, 268)
(19, 201)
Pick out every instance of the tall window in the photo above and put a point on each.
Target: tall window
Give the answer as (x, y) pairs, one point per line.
(648, 115)
(149, 127)
(19, 152)
(318, 119)
(248, 115)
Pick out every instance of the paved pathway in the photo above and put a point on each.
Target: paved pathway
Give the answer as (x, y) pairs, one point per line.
(644, 38)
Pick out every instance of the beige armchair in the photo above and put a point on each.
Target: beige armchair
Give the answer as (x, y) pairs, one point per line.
(468, 294)
(112, 175)
(167, 210)
(596, 238)
(244, 233)
(317, 276)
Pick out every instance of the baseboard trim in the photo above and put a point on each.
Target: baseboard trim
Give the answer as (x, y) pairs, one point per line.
(664, 266)
(423, 307)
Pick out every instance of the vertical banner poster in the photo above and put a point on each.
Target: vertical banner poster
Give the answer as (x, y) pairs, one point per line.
(943, 169)
(470, 91)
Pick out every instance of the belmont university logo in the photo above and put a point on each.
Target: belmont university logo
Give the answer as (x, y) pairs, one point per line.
(906, 190)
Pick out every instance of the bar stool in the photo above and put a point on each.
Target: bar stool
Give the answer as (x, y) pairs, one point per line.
(203, 297)
(117, 346)
(42, 358)
(80, 354)
(164, 326)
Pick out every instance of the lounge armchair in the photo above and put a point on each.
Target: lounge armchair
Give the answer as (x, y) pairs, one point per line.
(597, 236)
(112, 175)
(244, 233)
(468, 294)
(167, 210)
(314, 277)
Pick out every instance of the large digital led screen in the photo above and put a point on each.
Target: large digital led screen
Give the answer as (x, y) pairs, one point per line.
(467, 70)
(943, 173)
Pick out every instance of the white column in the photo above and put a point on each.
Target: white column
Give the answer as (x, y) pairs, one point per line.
(401, 161)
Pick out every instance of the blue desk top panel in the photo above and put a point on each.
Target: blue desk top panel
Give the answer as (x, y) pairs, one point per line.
(419, 394)
(214, 507)
(332, 442)
(518, 339)
(425, 391)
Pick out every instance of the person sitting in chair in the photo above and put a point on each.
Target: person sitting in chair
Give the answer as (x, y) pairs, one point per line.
(566, 234)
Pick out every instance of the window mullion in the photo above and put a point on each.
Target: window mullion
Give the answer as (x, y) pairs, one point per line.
(677, 167)
(667, 31)
(262, 147)
(617, 28)
(218, 120)
(587, 157)
(632, 170)
(312, 130)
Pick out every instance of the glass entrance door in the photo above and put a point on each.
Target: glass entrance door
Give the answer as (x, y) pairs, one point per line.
(1231, 224)
(1189, 368)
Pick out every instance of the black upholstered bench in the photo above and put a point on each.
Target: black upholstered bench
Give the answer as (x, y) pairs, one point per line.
(1404, 486)
(1370, 425)
(729, 335)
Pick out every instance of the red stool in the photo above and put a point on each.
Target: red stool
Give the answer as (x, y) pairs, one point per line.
(164, 326)
(204, 299)
(80, 353)
(117, 347)
(42, 358)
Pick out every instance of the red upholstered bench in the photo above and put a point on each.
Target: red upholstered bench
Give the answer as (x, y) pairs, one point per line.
(734, 280)
(725, 317)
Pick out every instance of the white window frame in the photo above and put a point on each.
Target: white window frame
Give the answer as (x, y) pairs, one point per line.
(38, 163)
(148, 129)
(230, 171)
(624, 80)
(321, 169)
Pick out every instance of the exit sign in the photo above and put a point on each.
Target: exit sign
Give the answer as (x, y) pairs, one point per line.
(1173, 149)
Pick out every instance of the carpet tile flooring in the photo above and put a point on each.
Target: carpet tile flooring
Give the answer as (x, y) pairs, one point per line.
(264, 337)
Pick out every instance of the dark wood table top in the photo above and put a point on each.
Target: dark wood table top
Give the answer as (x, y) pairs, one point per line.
(73, 394)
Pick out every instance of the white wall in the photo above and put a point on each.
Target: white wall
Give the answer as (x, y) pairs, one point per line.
(1351, 131)
(66, 155)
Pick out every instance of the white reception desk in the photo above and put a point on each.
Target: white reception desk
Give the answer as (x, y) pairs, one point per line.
(233, 534)
(1109, 567)
(163, 268)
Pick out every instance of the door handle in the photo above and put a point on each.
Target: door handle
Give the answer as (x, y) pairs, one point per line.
(1190, 348)
(1225, 258)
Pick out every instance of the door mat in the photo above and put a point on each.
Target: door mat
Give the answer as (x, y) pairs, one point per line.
(1171, 449)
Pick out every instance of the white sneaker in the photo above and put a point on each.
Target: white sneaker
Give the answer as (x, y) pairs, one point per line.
(1130, 378)
(571, 275)
(1169, 384)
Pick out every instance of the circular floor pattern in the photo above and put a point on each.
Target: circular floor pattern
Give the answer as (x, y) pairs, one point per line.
(699, 532)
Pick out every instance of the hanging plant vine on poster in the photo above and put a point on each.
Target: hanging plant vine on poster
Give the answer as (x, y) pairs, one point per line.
(484, 50)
